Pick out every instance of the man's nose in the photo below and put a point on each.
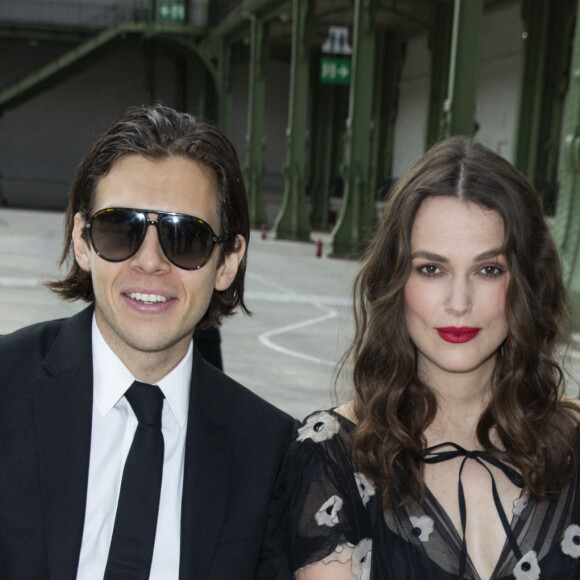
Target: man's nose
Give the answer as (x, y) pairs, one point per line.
(150, 257)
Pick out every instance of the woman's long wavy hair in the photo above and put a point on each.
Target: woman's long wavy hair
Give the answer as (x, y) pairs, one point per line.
(534, 427)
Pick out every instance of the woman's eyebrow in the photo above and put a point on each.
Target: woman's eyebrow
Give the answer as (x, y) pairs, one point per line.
(487, 255)
(493, 253)
(428, 256)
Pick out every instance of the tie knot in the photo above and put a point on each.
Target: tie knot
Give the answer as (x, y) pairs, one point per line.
(146, 402)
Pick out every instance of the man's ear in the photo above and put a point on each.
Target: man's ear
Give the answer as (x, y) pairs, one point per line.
(227, 271)
(81, 245)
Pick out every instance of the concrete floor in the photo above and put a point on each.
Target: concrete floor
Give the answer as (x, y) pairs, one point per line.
(286, 351)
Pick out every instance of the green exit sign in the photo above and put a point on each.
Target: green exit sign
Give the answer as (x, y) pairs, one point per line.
(171, 11)
(335, 71)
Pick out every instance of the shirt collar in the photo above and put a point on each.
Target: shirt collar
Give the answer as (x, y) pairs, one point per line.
(111, 378)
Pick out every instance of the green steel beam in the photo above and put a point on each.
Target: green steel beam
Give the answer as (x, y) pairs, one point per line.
(292, 222)
(331, 112)
(236, 23)
(189, 45)
(203, 104)
(546, 59)
(70, 62)
(45, 32)
(324, 134)
(224, 87)
(567, 227)
(148, 55)
(358, 204)
(254, 166)
(461, 94)
(76, 34)
(388, 68)
(440, 33)
(180, 96)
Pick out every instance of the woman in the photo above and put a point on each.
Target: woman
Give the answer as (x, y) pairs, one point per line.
(458, 455)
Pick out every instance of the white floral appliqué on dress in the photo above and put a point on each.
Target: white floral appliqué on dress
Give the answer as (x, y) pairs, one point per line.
(422, 527)
(360, 564)
(327, 515)
(365, 488)
(527, 568)
(319, 427)
(571, 541)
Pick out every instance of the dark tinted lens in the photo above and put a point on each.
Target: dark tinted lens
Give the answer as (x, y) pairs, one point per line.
(187, 242)
(116, 234)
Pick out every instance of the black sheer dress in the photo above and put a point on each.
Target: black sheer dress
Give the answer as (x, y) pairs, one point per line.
(336, 515)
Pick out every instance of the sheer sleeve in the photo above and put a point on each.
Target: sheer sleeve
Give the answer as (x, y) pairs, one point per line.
(328, 520)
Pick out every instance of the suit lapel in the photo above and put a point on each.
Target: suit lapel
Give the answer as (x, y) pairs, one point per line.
(205, 482)
(63, 410)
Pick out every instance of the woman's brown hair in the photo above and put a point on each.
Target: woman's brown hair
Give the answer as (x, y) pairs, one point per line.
(535, 428)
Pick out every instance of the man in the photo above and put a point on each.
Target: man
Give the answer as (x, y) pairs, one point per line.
(123, 454)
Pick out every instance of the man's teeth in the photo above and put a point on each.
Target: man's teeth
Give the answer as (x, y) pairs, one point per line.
(147, 298)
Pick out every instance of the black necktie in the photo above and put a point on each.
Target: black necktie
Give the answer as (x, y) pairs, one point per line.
(136, 520)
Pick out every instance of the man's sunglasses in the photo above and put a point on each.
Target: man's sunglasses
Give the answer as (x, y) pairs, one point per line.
(116, 234)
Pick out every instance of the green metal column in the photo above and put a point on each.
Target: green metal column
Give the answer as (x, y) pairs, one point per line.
(254, 166)
(293, 222)
(149, 60)
(201, 90)
(461, 93)
(546, 58)
(388, 67)
(324, 135)
(440, 34)
(180, 97)
(567, 228)
(206, 93)
(358, 205)
(224, 89)
(149, 56)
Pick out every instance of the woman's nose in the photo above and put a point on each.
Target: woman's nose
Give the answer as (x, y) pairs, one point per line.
(459, 297)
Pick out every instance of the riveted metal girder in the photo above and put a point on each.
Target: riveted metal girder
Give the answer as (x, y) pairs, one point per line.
(358, 205)
(546, 58)
(460, 104)
(567, 228)
(71, 61)
(324, 135)
(330, 112)
(440, 33)
(224, 88)
(148, 55)
(293, 221)
(254, 166)
(388, 68)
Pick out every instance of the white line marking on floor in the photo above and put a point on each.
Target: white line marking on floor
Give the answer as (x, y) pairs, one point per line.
(264, 338)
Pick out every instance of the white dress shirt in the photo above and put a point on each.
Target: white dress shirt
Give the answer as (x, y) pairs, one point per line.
(113, 428)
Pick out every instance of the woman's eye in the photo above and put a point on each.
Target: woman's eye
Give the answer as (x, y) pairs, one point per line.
(491, 271)
(429, 270)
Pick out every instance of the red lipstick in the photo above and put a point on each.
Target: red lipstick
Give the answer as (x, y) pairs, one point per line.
(458, 334)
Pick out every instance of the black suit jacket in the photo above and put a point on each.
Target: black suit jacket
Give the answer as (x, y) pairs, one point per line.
(234, 447)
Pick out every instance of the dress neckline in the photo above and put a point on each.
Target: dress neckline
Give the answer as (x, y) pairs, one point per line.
(449, 450)
(438, 454)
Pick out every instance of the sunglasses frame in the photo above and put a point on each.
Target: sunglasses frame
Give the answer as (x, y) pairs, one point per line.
(215, 240)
